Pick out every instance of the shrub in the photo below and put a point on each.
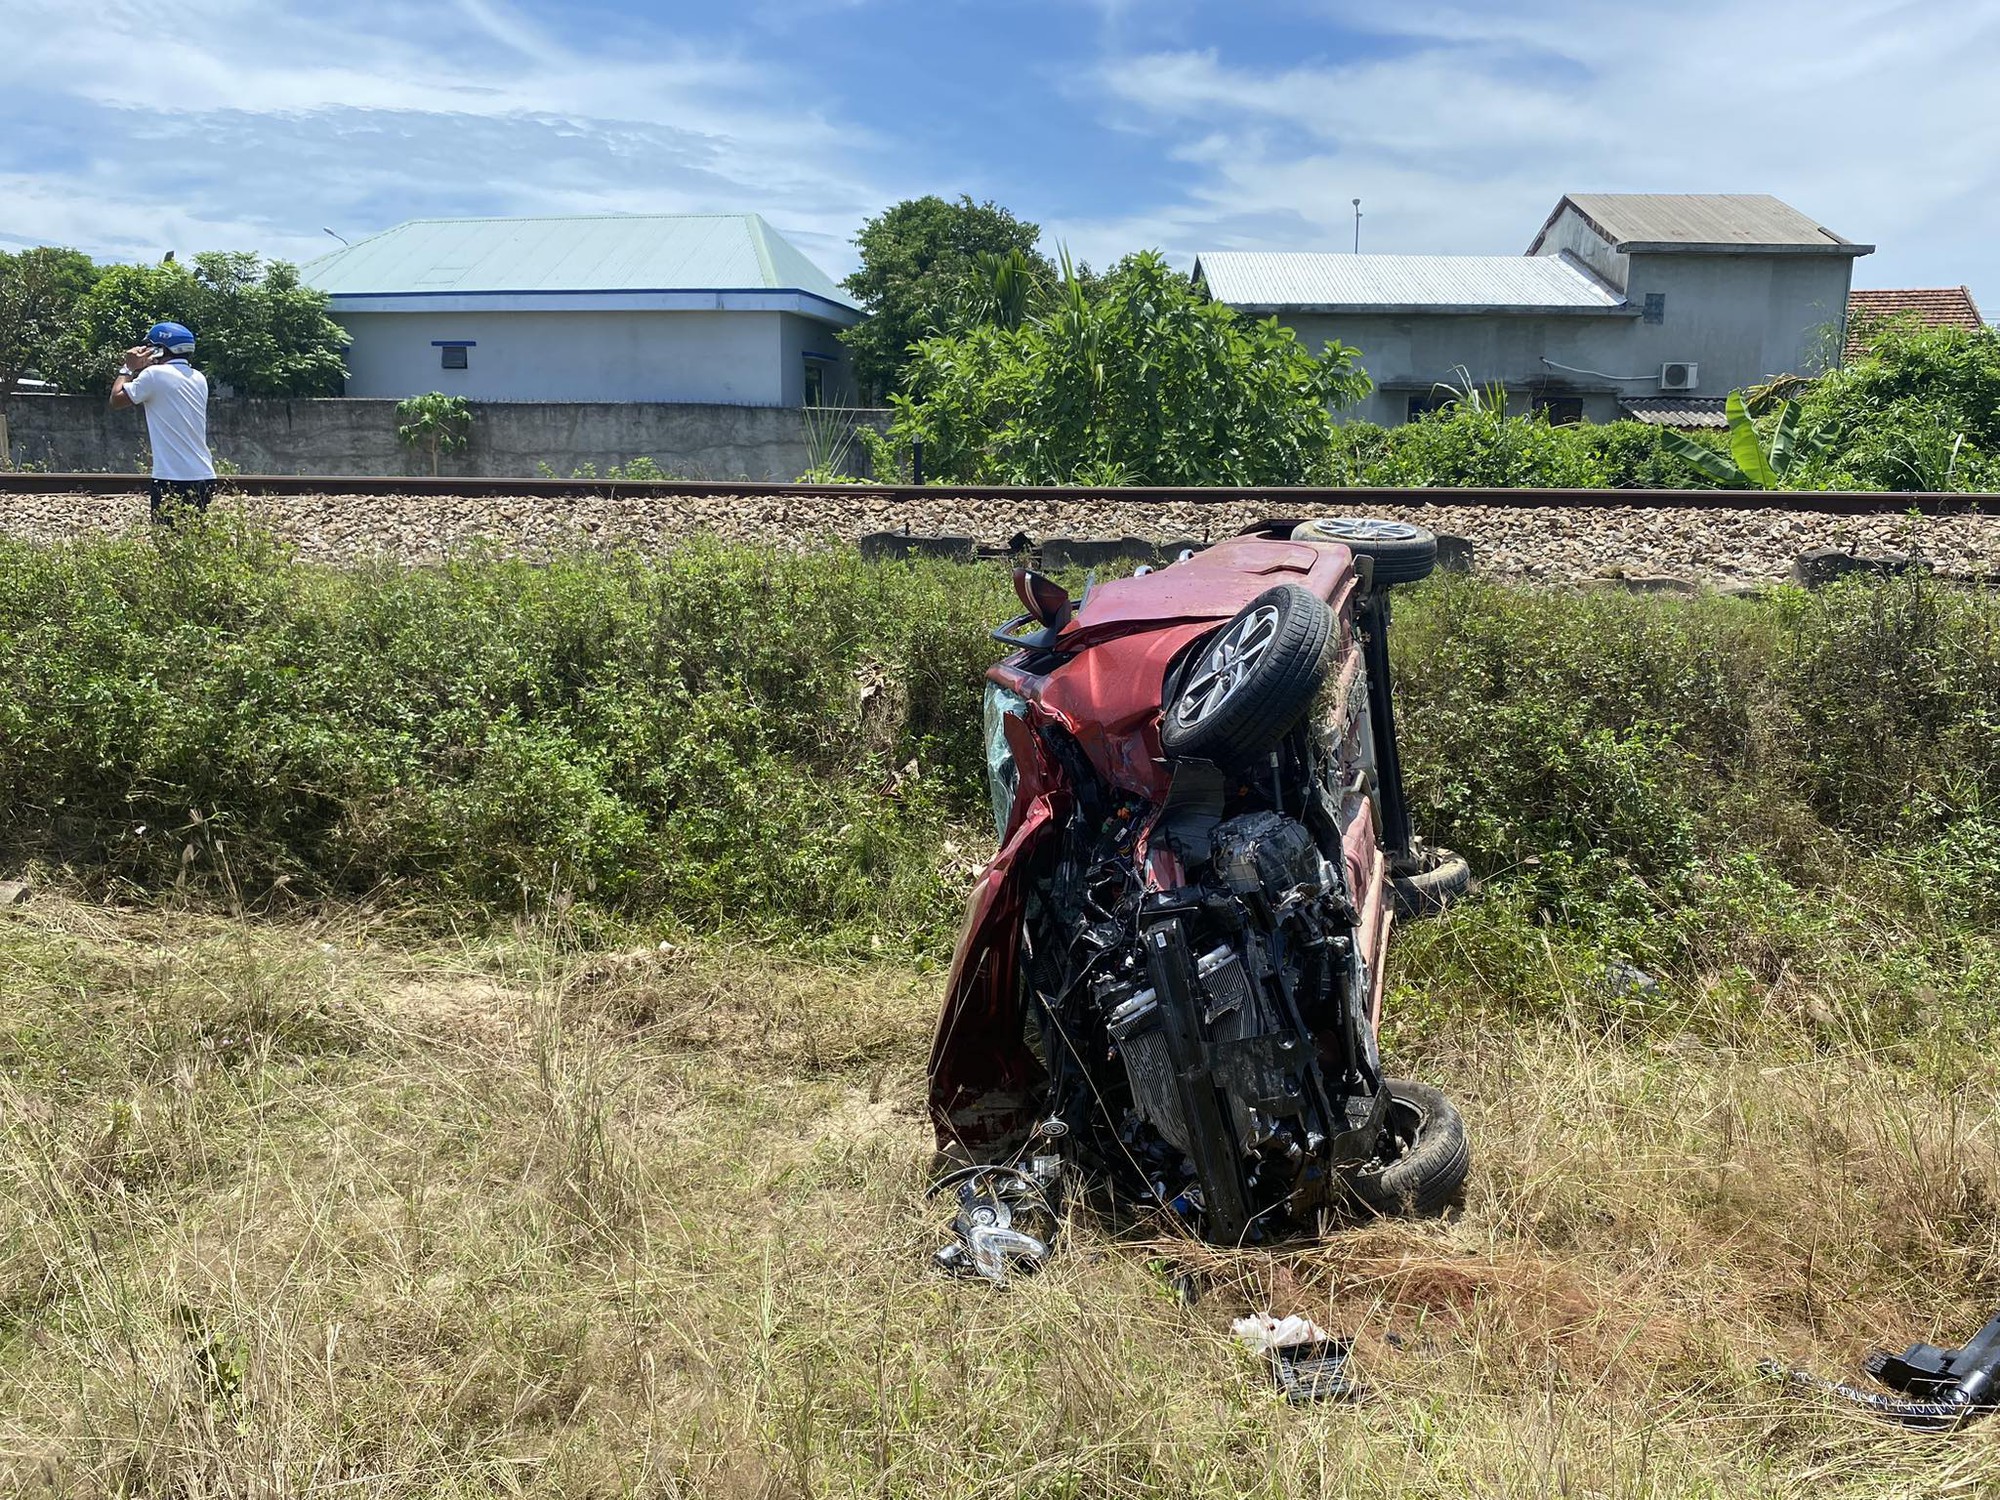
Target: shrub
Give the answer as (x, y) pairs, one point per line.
(782, 745)
(687, 736)
(1472, 443)
(1139, 380)
(1919, 409)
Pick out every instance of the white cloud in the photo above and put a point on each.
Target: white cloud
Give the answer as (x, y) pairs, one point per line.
(243, 123)
(253, 122)
(1467, 124)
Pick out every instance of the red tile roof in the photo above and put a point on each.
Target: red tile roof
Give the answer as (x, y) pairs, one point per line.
(1936, 307)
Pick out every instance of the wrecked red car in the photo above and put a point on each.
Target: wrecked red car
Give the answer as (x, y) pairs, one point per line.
(1169, 986)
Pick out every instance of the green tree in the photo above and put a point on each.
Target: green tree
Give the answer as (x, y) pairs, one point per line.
(920, 272)
(258, 329)
(39, 291)
(435, 423)
(1142, 382)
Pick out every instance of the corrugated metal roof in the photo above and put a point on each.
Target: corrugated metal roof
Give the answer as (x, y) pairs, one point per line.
(1677, 411)
(1308, 281)
(1719, 220)
(597, 253)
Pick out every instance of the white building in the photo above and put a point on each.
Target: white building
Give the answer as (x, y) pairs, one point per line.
(1626, 304)
(713, 308)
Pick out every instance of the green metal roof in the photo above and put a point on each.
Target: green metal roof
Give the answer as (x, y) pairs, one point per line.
(594, 253)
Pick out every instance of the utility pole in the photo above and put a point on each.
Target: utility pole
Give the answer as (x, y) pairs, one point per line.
(1357, 226)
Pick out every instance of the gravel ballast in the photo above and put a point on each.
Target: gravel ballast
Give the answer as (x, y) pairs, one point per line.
(1720, 546)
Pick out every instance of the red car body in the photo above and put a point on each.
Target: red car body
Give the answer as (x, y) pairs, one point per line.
(1106, 690)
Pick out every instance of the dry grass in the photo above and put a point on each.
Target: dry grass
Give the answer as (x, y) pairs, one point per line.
(284, 1213)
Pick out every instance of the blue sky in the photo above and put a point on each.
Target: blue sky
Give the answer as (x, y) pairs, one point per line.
(128, 128)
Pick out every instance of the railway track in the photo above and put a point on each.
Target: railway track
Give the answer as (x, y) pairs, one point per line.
(1280, 500)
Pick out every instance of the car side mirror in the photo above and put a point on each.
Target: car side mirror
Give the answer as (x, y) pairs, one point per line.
(1043, 598)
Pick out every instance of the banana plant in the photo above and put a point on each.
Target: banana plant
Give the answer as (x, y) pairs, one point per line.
(1752, 462)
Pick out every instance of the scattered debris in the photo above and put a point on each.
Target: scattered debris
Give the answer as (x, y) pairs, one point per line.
(1308, 1364)
(1005, 1220)
(1629, 982)
(1943, 1389)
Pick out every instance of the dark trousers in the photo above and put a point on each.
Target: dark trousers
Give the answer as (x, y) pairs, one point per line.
(192, 493)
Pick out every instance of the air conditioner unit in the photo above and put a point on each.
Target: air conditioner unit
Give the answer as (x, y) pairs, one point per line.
(1679, 376)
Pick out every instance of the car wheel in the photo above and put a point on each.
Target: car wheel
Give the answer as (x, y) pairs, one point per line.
(1402, 553)
(1251, 681)
(1439, 878)
(1424, 1156)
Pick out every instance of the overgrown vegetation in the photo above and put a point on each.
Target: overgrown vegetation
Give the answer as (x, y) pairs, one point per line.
(1915, 411)
(1139, 380)
(288, 1211)
(310, 1203)
(758, 740)
(1920, 410)
(746, 740)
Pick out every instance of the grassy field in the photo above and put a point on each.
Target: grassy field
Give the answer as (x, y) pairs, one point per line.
(292, 1212)
(364, 1131)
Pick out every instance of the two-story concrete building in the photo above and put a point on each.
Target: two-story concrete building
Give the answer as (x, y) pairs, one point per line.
(714, 308)
(1625, 304)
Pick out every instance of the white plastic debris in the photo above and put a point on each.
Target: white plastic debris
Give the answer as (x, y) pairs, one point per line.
(1262, 1333)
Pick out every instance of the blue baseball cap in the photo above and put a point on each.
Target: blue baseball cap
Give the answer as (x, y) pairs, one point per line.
(175, 338)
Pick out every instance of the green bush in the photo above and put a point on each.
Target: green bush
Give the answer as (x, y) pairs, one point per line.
(1918, 409)
(721, 735)
(1470, 443)
(1734, 794)
(782, 745)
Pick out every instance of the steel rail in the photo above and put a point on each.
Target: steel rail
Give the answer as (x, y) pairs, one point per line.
(1277, 499)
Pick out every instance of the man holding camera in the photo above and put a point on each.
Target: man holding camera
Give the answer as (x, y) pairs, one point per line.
(156, 375)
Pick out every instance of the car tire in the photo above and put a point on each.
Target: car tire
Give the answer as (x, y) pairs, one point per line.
(1441, 879)
(1401, 553)
(1245, 686)
(1426, 1156)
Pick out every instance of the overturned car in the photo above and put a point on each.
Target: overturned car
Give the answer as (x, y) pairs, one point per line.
(1169, 985)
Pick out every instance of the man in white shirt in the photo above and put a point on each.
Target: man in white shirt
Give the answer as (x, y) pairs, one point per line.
(156, 375)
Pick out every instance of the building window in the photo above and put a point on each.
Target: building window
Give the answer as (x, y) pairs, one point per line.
(1560, 411)
(1424, 405)
(815, 382)
(454, 356)
(1656, 307)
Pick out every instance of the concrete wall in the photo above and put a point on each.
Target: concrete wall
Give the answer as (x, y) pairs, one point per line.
(1744, 317)
(350, 436)
(737, 358)
(801, 337)
(1411, 356)
(1740, 318)
(1572, 232)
